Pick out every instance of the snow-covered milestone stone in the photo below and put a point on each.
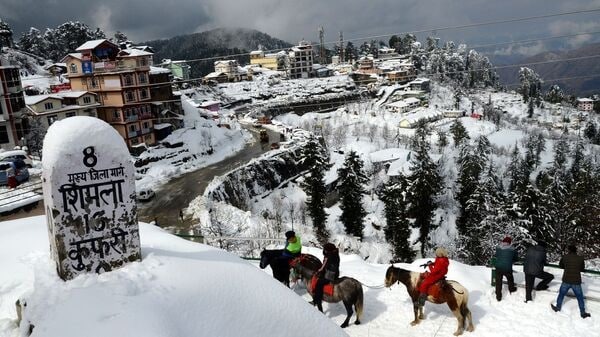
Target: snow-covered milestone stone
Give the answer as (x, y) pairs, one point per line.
(89, 195)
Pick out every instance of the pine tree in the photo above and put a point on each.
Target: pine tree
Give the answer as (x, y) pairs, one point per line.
(471, 163)
(555, 94)
(459, 132)
(6, 35)
(478, 241)
(397, 230)
(531, 84)
(591, 131)
(314, 187)
(424, 185)
(351, 181)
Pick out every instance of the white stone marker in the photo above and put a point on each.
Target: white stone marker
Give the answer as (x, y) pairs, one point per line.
(89, 192)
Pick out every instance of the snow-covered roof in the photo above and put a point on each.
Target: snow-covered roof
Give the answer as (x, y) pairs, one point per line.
(405, 102)
(421, 114)
(78, 56)
(161, 126)
(419, 81)
(134, 53)
(209, 103)
(256, 52)
(92, 44)
(30, 100)
(585, 100)
(73, 94)
(159, 70)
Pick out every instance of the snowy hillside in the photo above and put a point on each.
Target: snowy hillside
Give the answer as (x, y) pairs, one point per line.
(186, 289)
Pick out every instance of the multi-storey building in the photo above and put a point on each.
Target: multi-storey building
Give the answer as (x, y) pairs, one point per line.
(301, 60)
(120, 78)
(12, 108)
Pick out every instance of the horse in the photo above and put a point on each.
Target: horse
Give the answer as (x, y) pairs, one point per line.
(279, 266)
(450, 292)
(345, 289)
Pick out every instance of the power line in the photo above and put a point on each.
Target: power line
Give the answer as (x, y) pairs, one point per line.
(417, 32)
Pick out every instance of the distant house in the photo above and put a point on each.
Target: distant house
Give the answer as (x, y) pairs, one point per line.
(386, 53)
(210, 105)
(454, 113)
(585, 104)
(322, 71)
(227, 71)
(404, 105)
(179, 69)
(56, 68)
(54, 107)
(420, 84)
(419, 115)
(269, 61)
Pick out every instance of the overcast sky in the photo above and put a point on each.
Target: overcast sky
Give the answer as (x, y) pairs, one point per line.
(293, 20)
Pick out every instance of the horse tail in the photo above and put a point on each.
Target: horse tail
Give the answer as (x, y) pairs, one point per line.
(464, 308)
(358, 305)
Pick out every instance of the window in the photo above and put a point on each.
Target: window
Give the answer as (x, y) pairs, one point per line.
(144, 93)
(132, 128)
(129, 96)
(70, 114)
(145, 125)
(142, 78)
(135, 141)
(127, 80)
(87, 99)
(49, 106)
(52, 119)
(143, 62)
(94, 83)
(3, 134)
(73, 68)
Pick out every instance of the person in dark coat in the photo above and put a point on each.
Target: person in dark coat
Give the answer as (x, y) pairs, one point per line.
(573, 265)
(533, 267)
(505, 257)
(328, 273)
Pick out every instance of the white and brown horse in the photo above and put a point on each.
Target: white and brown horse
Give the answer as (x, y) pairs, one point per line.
(345, 289)
(450, 292)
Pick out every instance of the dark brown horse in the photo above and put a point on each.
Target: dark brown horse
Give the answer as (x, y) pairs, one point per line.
(279, 265)
(345, 289)
(450, 292)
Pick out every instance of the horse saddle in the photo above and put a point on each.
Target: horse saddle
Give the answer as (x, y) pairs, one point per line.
(327, 289)
(435, 289)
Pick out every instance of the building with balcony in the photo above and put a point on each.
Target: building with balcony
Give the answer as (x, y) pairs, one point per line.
(301, 60)
(585, 104)
(12, 108)
(48, 109)
(121, 80)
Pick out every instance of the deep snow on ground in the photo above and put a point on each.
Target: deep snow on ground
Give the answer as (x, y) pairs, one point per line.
(182, 288)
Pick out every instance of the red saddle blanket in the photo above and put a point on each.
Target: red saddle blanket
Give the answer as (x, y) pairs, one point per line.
(327, 289)
(435, 289)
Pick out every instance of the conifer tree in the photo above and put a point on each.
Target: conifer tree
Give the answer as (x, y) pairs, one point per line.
(424, 185)
(459, 132)
(397, 230)
(351, 181)
(314, 187)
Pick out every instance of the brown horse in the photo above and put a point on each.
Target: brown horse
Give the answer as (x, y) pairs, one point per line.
(345, 289)
(450, 292)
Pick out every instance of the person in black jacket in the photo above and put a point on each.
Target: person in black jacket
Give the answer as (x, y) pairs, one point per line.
(533, 267)
(329, 272)
(573, 265)
(505, 257)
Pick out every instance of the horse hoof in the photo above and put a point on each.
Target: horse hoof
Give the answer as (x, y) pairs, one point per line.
(357, 322)
(458, 333)
(345, 325)
(421, 316)
(413, 323)
(471, 329)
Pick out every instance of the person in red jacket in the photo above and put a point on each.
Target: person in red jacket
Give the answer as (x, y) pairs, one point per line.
(437, 270)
